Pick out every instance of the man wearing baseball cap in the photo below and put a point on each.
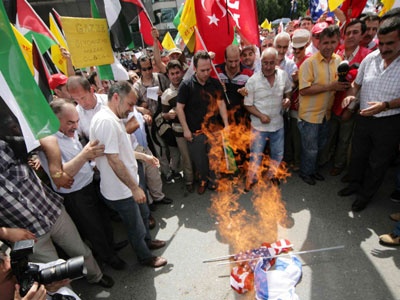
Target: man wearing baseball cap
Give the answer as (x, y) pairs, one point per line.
(57, 83)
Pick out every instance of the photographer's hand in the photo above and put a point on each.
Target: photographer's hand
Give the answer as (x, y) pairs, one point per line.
(36, 292)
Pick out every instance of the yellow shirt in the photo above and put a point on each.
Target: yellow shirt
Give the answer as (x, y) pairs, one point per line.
(317, 70)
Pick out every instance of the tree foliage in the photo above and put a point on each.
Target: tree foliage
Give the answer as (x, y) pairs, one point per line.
(276, 9)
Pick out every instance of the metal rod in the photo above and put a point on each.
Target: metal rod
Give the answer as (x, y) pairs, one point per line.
(218, 258)
(280, 255)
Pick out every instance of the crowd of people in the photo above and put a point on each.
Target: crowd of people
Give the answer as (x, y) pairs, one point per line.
(311, 95)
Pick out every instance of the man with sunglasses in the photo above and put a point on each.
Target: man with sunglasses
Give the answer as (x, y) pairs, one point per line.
(150, 107)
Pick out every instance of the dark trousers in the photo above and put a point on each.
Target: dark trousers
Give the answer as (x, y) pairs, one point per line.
(199, 149)
(91, 219)
(375, 144)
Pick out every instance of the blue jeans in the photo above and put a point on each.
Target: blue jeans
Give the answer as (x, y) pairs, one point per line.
(313, 139)
(258, 143)
(134, 215)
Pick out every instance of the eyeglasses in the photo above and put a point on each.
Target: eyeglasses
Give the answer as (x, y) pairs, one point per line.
(298, 49)
(315, 36)
(147, 69)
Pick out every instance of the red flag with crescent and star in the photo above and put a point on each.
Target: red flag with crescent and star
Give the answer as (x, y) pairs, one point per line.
(244, 14)
(215, 26)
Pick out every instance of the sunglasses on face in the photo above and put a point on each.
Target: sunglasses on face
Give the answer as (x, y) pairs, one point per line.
(299, 49)
(315, 36)
(147, 69)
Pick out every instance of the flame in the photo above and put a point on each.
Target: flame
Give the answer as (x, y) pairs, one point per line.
(242, 229)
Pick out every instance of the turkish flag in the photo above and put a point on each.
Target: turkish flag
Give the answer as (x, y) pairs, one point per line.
(353, 8)
(215, 26)
(244, 14)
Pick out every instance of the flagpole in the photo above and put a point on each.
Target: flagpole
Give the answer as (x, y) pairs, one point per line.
(212, 64)
(281, 255)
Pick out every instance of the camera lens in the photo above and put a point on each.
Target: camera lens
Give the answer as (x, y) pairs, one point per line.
(72, 269)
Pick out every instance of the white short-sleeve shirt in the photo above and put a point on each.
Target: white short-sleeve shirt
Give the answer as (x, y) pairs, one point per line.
(110, 131)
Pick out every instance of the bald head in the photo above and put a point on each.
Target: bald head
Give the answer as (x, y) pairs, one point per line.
(232, 59)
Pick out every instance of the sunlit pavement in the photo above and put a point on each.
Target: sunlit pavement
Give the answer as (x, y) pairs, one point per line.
(317, 218)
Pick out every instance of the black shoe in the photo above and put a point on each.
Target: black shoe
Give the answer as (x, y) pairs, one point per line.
(347, 191)
(152, 222)
(164, 200)
(116, 263)
(122, 244)
(308, 179)
(189, 188)
(152, 206)
(346, 178)
(318, 177)
(359, 205)
(106, 281)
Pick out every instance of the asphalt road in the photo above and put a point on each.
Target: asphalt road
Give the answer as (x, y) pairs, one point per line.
(315, 218)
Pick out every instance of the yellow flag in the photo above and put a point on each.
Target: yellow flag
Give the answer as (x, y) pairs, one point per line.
(56, 55)
(266, 25)
(187, 21)
(333, 4)
(26, 48)
(387, 5)
(168, 42)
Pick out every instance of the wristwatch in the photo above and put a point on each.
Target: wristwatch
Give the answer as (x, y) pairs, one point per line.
(57, 174)
(387, 105)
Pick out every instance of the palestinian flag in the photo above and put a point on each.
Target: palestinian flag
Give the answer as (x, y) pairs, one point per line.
(19, 90)
(114, 71)
(42, 74)
(29, 23)
(120, 34)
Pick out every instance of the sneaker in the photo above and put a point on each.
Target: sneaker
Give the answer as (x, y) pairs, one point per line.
(395, 196)
(395, 217)
(389, 239)
(169, 179)
(176, 175)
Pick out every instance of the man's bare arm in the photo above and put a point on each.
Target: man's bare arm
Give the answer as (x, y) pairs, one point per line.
(123, 174)
(49, 145)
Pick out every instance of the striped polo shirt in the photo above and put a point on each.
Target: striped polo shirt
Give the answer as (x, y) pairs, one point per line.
(317, 70)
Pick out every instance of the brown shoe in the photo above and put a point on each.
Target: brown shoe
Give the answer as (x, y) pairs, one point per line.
(156, 262)
(189, 188)
(202, 188)
(152, 222)
(395, 217)
(156, 244)
(389, 239)
(335, 171)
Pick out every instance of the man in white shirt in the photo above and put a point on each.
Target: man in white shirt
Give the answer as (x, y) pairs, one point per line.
(119, 184)
(89, 103)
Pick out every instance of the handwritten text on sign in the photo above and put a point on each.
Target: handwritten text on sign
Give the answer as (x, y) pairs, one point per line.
(88, 41)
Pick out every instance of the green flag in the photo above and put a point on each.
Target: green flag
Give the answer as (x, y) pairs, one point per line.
(114, 71)
(19, 90)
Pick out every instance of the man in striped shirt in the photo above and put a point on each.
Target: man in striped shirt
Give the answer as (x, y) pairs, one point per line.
(317, 86)
(377, 131)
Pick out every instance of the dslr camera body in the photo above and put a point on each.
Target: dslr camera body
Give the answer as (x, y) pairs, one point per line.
(27, 273)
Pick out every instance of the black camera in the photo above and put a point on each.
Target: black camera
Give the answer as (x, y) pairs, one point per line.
(27, 273)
